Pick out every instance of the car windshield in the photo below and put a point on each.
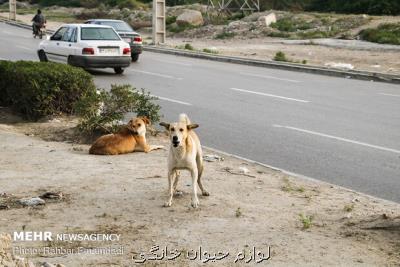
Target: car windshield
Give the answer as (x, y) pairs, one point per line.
(119, 26)
(99, 34)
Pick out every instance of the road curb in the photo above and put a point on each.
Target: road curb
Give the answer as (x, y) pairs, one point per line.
(359, 75)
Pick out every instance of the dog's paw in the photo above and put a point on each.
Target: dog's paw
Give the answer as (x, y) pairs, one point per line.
(157, 147)
(205, 193)
(195, 203)
(167, 204)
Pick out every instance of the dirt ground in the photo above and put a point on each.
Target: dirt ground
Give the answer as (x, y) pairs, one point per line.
(315, 55)
(380, 60)
(252, 207)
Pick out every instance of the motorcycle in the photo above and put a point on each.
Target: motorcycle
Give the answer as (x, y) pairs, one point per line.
(39, 30)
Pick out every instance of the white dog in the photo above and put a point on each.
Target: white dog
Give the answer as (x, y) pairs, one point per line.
(184, 154)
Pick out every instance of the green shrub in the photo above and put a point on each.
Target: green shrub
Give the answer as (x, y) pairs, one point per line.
(210, 51)
(189, 47)
(170, 19)
(103, 110)
(175, 28)
(291, 25)
(280, 56)
(38, 89)
(385, 34)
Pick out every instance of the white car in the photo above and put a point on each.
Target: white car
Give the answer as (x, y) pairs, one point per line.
(87, 46)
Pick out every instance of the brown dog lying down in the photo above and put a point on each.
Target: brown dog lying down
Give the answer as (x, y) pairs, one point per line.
(131, 137)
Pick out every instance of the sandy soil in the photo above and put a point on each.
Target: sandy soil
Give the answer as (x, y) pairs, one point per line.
(316, 55)
(375, 60)
(124, 195)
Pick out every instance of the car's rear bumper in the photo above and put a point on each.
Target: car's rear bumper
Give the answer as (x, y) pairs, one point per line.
(100, 62)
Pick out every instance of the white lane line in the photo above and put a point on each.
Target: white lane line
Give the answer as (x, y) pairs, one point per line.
(24, 47)
(172, 100)
(269, 95)
(269, 77)
(174, 62)
(390, 95)
(338, 138)
(157, 74)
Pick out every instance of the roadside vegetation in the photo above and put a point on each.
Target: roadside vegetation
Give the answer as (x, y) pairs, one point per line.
(310, 26)
(36, 90)
(280, 56)
(373, 7)
(104, 110)
(191, 48)
(384, 34)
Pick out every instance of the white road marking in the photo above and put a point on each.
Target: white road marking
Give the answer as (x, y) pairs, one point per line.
(269, 95)
(338, 138)
(269, 77)
(157, 74)
(25, 48)
(390, 95)
(173, 100)
(173, 62)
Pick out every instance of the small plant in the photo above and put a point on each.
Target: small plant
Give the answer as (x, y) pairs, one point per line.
(304, 62)
(289, 187)
(238, 212)
(170, 20)
(210, 51)
(225, 35)
(348, 208)
(306, 220)
(175, 28)
(102, 111)
(280, 56)
(189, 47)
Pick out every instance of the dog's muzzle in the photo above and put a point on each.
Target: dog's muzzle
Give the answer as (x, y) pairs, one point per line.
(175, 141)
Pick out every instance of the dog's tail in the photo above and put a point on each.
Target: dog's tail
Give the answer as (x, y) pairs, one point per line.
(184, 118)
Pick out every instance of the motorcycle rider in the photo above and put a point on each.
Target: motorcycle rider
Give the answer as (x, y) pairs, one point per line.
(38, 22)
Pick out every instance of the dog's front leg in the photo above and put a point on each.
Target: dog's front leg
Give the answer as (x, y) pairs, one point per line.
(195, 200)
(171, 178)
(148, 148)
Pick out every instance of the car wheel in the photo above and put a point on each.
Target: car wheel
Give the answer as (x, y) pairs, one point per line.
(69, 61)
(135, 57)
(42, 56)
(119, 70)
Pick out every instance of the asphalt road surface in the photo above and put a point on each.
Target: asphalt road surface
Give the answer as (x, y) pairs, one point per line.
(343, 131)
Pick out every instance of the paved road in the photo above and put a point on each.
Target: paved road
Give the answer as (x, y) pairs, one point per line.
(343, 131)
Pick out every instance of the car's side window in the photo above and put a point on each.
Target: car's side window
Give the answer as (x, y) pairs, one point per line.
(59, 34)
(72, 39)
(68, 34)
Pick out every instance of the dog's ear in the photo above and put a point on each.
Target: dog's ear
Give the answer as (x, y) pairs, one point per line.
(192, 126)
(130, 126)
(166, 125)
(145, 120)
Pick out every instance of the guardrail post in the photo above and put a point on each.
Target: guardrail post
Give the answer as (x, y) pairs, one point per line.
(13, 10)
(158, 21)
